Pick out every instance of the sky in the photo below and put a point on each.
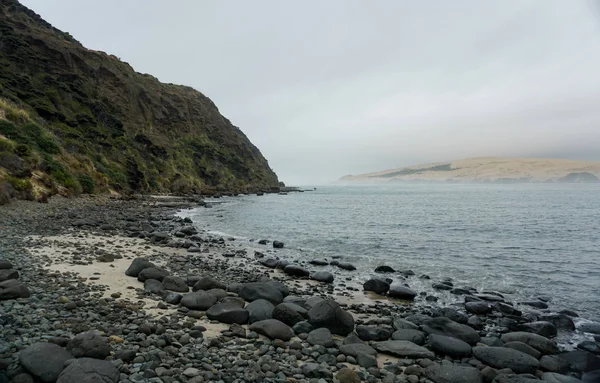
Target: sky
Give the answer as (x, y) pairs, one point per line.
(329, 88)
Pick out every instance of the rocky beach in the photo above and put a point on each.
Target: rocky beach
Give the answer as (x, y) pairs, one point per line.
(98, 289)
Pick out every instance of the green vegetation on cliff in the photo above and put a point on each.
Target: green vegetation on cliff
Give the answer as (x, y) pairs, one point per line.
(74, 120)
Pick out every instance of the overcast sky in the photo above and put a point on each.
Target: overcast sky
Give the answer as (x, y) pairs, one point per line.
(328, 88)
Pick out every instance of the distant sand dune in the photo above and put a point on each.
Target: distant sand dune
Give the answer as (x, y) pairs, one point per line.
(490, 169)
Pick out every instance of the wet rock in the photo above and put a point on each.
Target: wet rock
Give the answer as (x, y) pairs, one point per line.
(523, 347)
(319, 262)
(354, 349)
(589, 346)
(154, 286)
(270, 262)
(581, 361)
(321, 337)
(554, 363)
(137, 266)
(384, 269)
(403, 349)
(259, 310)
(273, 329)
(173, 298)
(478, 308)
(374, 332)
(89, 344)
(446, 345)
(540, 343)
(447, 327)
(329, 314)
(6, 274)
(347, 375)
(545, 329)
(286, 314)
(322, 276)
(44, 360)
(228, 313)
(152, 273)
(552, 377)
(502, 357)
(400, 324)
(536, 304)
(415, 336)
(278, 245)
(296, 271)
(346, 266)
(376, 285)
(402, 292)
(173, 283)
(261, 290)
(589, 327)
(450, 373)
(208, 283)
(561, 321)
(13, 289)
(5, 265)
(198, 300)
(303, 327)
(89, 370)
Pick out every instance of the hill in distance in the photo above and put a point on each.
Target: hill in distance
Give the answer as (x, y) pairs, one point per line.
(489, 169)
(75, 120)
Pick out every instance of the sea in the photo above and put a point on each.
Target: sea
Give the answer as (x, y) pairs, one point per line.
(528, 240)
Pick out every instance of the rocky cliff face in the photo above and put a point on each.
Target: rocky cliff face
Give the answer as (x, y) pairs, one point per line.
(72, 119)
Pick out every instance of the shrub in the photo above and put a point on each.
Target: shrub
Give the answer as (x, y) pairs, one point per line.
(87, 183)
(6, 145)
(19, 184)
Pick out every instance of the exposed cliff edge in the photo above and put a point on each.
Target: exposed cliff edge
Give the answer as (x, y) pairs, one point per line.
(490, 169)
(73, 120)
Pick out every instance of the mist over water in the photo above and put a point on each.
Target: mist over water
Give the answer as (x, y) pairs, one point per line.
(531, 239)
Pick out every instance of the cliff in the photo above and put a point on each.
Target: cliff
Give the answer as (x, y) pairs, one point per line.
(75, 120)
(490, 169)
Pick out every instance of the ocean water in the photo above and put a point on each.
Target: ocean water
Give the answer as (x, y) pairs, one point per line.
(530, 240)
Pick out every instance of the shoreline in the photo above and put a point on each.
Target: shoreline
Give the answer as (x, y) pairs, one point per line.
(97, 227)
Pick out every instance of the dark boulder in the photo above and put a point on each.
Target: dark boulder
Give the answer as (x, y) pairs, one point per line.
(401, 292)
(375, 332)
(411, 335)
(89, 370)
(13, 289)
(447, 327)
(259, 310)
(545, 329)
(228, 313)
(403, 349)
(155, 287)
(208, 283)
(296, 271)
(478, 308)
(346, 266)
(561, 321)
(270, 262)
(199, 300)
(173, 283)
(523, 347)
(322, 276)
(321, 337)
(261, 290)
(137, 266)
(278, 245)
(502, 357)
(451, 373)
(6, 274)
(384, 269)
(286, 314)
(272, 328)
(328, 313)
(540, 343)
(319, 262)
(89, 344)
(376, 285)
(152, 273)
(450, 346)
(44, 360)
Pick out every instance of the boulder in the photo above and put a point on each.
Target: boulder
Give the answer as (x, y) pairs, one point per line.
(450, 346)
(199, 300)
(543, 328)
(208, 283)
(137, 266)
(278, 245)
(384, 269)
(5, 265)
(554, 363)
(447, 327)
(270, 262)
(13, 289)
(173, 283)
(478, 308)
(322, 276)
(450, 373)
(401, 324)
(589, 327)
(328, 313)
(154, 286)
(347, 375)
(561, 321)
(296, 307)
(355, 349)
(346, 266)
(321, 337)
(415, 336)
(540, 343)
(553, 377)
(6, 274)
(287, 314)
(89, 344)
(403, 349)
(376, 285)
(374, 332)
(173, 298)
(152, 273)
(303, 327)
(236, 301)
(90, 371)
(261, 290)
(402, 292)
(319, 262)
(44, 360)
(523, 347)
(296, 271)
(259, 310)
(502, 357)
(272, 328)
(581, 361)
(228, 313)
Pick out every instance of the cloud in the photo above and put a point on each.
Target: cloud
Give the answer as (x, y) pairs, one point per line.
(330, 88)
